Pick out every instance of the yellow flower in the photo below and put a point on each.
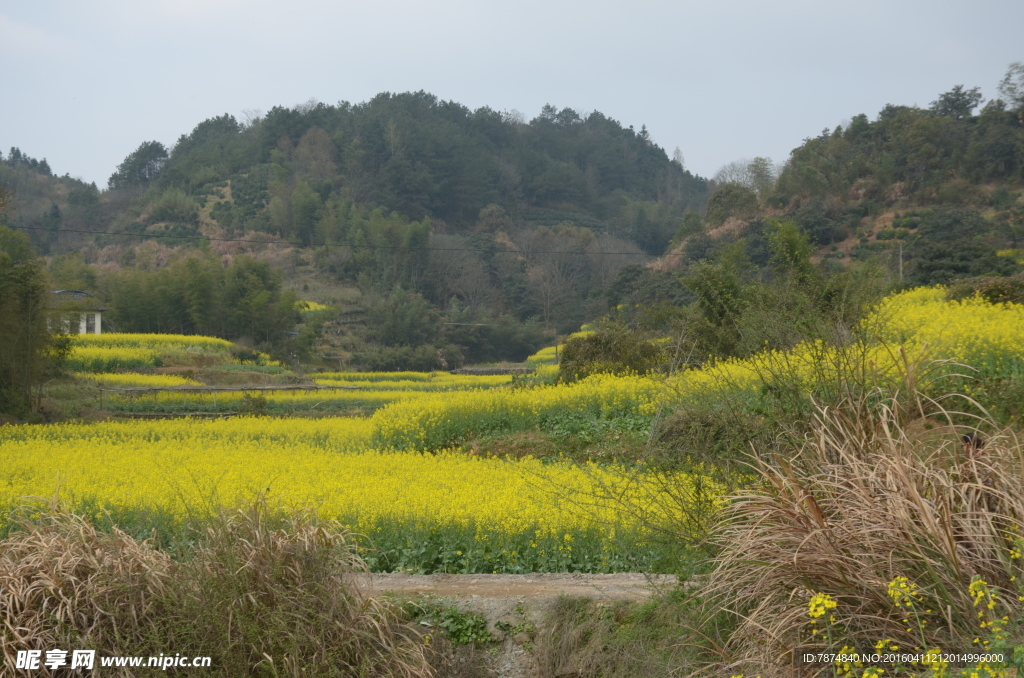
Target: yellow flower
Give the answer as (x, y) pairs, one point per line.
(337, 466)
(819, 604)
(903, 592)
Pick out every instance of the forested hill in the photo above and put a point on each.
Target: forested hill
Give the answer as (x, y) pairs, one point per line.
(440, 235)
(437, 234)
(294, 170)
(932, 193)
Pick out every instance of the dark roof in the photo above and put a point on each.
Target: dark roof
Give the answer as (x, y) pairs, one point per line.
(76, 299)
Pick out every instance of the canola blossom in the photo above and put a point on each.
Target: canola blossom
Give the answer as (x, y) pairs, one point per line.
(545, 356)
(498, 508)
(135, 379)
(361, 395)
(983, 335)
(432, 377)
(441, 381)
(972, 331)
(356, 391)
(156, 342)
(118, 351)
(277, 401)
(107, 359)
(443, 419)
(440, 511)
(549, 354)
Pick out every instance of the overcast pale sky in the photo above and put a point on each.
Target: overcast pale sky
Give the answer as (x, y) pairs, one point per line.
(84, 82)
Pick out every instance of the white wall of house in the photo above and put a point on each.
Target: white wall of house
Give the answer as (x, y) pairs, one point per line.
(90, 323)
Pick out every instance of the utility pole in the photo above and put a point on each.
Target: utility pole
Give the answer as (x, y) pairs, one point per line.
(901, 261)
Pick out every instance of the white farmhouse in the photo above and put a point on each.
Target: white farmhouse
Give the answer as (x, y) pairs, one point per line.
(77, 312)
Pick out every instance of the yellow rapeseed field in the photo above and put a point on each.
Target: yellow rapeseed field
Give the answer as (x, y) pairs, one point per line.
(116, 351)
(119, 379)
(108, 358)
(181, 468)
(441, 419)
(394, 475)
(548, 354)
(379, 376)
(179, 464)
(988, 337)
(438, 381)
(305, 400)
(155, 342)
(368, 391)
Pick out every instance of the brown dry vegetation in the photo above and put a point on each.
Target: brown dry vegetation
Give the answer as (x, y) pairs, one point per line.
(586, 638)
(874, 493)
(260, 594)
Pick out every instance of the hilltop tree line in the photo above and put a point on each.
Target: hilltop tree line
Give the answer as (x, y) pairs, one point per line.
(420, 157)
(447, 218)
(944, 182)
(486, 216)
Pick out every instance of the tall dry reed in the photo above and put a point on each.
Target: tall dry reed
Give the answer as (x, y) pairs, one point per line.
(881, 487)
(261, 594)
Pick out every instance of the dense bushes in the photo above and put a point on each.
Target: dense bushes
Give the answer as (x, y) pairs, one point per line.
(609, 350)
(198, 295)
(29, 352)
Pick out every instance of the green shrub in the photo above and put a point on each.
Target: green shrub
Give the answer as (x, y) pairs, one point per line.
(995, 289)
(610, 350)
(457, 626)
(731, 200)
(174, 206)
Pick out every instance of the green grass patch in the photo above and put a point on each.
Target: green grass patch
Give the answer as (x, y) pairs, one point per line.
(457, 626)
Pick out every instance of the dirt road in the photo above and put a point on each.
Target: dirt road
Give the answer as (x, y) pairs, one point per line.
(628, 586)
(517, 600)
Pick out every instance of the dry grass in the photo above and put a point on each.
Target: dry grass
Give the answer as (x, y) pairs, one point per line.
(585, 638)
(881, 488)
(62, 583)
(261, 595)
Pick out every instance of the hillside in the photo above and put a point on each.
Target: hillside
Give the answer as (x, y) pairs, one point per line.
(295, 171)
(932, 194)
(476, 217)
(439, 236)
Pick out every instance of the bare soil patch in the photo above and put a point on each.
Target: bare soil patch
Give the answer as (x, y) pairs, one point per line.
(623, 586)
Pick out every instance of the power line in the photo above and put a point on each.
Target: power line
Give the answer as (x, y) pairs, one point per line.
(352, 247)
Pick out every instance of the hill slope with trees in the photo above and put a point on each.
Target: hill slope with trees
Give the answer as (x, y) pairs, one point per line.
(440, 235)
(496, 224)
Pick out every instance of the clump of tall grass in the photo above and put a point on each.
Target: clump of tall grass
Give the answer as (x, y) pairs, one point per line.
(882, 486)
(260, 594)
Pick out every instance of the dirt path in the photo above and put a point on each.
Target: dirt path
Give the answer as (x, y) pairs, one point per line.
(626, 586)
(517, 602)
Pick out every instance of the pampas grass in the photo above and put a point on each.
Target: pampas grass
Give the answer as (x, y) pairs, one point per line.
(880, 487)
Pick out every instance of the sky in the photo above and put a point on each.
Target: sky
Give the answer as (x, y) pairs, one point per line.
(85, 82)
